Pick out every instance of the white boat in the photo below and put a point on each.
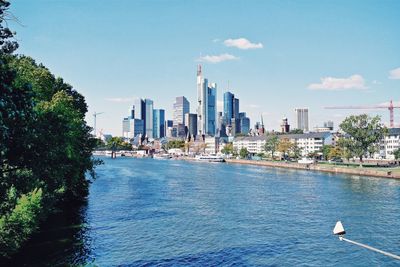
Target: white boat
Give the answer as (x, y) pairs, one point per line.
(210, 158)
(162, 156)
(305, 161)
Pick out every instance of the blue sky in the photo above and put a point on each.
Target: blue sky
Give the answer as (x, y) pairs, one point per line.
(276, 55)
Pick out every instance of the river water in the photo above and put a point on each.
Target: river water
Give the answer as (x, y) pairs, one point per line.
(146, 212)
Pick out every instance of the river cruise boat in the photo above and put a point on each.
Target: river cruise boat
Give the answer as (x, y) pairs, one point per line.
(162, 156)
(210, 158)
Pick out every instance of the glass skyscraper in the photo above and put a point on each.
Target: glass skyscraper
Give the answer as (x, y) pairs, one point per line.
(158, 123)
(148, 118)
(181, 107)
(228, 107)
(211, 114)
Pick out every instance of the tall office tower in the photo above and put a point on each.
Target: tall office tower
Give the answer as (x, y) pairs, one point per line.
(220, 125)
(244, 125)
(211, 109)
(236, 108)
(228, 107)
(328, 124)
(139, 109)
(302, 118)
(125, 127)
(285, 127)
(158, 123)
(191, 124)
(202, 92)
(136, 127)
(132, 112)
(148, 117)
(181, 107)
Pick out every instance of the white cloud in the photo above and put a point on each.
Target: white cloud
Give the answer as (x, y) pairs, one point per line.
(217, 58)
(121, 99)
(242, 43)
(394, 74)
(355, 81)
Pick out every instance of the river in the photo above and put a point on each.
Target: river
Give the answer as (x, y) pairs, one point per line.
(146, 212)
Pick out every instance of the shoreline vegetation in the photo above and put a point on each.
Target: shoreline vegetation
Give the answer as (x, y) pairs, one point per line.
(45, 144)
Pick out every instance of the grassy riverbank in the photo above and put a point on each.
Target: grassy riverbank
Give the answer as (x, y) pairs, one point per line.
(351, 169)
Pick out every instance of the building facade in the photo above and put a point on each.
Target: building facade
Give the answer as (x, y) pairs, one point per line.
(211, 109)
(191, 124)
(181, 107)
(389, 144)
(158, 123)
(302, 119)
(148, 117)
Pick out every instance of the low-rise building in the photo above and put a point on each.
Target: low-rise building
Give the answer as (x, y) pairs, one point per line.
(310, 142)
(253, 144)
(390, 143)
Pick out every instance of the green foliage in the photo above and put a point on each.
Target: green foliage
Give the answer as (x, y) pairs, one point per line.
(271, 144)
(397, 154)
(326, 149)
(228, 149)
(21, 222)
(364, 134)
(118, 143)
(243, 153)
(296, 131)
(285, 146)
(44, 143)
(175, 144)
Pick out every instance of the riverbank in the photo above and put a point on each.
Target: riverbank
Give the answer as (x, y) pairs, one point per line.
(321, 167)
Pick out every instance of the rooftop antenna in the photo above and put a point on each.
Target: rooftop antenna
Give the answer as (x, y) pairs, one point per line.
(339, 230)
(95, 114)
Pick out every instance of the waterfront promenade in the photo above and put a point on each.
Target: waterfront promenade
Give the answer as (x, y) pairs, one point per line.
(375, 172)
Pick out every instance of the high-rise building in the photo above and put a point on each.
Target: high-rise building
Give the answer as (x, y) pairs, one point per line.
(302, 119)
(228, 107)
(244, 125)
(236, 108)
(181, 107)
(148, 117)
(191, 124)
(125, 127)
(211, 109)
(285, 127)
(139, 109)
(132, 112)
(136, 127)
(158, 123)
(206, 105)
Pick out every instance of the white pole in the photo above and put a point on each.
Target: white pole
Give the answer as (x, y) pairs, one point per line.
(370, 248)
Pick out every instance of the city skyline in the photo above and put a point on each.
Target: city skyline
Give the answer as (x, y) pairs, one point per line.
(275, 58)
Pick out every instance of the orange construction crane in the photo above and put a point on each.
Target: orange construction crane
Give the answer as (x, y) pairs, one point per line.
(390, 107)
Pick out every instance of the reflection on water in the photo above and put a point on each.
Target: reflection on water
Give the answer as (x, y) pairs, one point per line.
(144, 212)
(64, 240)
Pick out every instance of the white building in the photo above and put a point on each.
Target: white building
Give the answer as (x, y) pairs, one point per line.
(310, 142)
(390, 143)
(253, 144)
(206, 105)
(211, 144)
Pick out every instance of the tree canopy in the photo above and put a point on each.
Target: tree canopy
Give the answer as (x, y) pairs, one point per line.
(45, 144)
(362, 134)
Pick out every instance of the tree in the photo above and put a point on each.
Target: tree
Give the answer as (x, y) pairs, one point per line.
(118, 143)
(396, 154)
(228, 149)
(271, 144)
(326, 149)
(243, 153)
(284, 146)
(363, 134)
(296, 131)
(7, 45)
(335, 152)
(295, 151)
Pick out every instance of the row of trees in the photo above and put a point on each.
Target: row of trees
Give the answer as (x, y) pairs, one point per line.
(45, 144)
